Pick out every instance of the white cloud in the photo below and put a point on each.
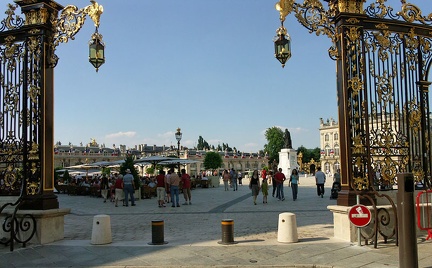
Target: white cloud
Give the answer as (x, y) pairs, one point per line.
(128, 134)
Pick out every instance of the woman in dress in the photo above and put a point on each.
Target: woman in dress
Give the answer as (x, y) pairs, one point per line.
(254, 185)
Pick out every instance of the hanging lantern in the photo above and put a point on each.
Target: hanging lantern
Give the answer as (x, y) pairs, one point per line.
(282, 44)
(96, 50)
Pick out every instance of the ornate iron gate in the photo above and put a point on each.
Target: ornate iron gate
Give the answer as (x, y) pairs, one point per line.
(27, 61)
(383, 60)
(26, 87)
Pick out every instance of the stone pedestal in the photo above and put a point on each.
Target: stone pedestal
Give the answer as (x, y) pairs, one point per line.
(49, 224)
(288, 161)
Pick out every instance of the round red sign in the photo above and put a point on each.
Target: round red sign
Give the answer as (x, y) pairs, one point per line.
(359, 215)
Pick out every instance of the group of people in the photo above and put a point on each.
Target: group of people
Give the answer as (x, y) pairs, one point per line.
(277, 179)
(232, 179)
(168, 188)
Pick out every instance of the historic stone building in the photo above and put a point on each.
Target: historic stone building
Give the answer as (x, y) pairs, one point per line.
(70, 155)
(329, 144)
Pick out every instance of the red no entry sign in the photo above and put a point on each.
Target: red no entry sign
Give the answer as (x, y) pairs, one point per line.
(359, 215)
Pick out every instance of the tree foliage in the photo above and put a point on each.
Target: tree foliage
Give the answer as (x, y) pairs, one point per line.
(202, 144)
(150, 170)
(309, 154)
(212, 161)
(275, 142)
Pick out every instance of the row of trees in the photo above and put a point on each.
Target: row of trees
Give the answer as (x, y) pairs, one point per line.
(203, 145)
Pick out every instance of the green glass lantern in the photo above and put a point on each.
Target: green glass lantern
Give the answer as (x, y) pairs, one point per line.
(282, 44)
(96, 50)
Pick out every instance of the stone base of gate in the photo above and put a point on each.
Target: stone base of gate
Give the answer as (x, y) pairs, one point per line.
(49, 224)
(343, 229)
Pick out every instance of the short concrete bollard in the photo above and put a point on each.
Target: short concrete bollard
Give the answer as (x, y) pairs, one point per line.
(101, 232)
(227, 232)
(287, 228)
(157, 233)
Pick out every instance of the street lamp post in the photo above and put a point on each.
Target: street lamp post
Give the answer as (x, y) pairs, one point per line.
(178, 136)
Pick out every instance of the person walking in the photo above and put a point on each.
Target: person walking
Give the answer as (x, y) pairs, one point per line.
(280, 178)
(104, 186)
(118, 188)
(337, 180)
(239, 176)
(174, 182)
(264, 189)
(234, 179)
(254, 185)
(167, 187)
(293, 183)
(226, 177)
(160, 188)
(320, 179)
(129, 188)
(273, 182)
(186, 186)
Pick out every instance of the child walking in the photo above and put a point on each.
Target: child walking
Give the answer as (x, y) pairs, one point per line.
(264, 189)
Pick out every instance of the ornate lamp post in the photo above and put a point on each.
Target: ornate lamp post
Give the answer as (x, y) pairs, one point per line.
(178, 136)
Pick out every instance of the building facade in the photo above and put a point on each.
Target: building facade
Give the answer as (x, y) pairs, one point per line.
(70, 155)
(330, 145)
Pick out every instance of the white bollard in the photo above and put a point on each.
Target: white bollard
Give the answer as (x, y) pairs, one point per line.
(101, 232)
(287, 228)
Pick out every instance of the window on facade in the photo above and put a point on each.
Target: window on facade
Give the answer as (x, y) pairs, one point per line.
(336, 136)
(326, 138)
(336, 150)
(336, 166)
(327, 150)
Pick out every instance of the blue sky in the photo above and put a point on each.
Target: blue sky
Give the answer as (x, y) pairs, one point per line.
(205, 66)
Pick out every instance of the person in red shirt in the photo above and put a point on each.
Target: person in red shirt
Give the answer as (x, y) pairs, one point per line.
(186, 186)
(160, 188)
(263, 174)
(280, 178)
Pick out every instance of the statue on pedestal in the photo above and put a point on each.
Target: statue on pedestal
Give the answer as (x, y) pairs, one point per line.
(287, 138)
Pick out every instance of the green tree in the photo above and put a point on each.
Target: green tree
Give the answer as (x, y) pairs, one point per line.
(316, 154)
(275, 142)
(150, 170)
(212, 161)
(129, 164)
(202, 144)
(66, 177)
(309, 154)
(106, 171)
